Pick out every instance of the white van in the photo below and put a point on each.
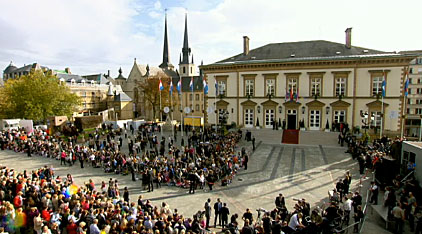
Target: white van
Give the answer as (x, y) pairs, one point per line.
(9, 124)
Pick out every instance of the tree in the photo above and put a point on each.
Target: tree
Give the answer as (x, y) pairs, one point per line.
(36, 96)
(151, 93)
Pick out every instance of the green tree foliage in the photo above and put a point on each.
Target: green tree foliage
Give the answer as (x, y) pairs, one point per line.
(36, 96)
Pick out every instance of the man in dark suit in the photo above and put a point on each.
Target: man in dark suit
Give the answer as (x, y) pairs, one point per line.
(217, 210)
(208, 212)
(224, 215)
(279, 201)
(150, 176)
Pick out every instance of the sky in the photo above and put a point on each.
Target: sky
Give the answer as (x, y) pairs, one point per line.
(93, 36)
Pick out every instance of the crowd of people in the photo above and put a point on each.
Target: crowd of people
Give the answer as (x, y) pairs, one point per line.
(203, 160)
(41, 202)
(382, 156)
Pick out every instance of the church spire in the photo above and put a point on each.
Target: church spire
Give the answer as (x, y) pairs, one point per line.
(166, 56)
(186, 50)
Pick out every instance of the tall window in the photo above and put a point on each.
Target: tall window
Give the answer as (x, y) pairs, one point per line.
(270, 86)
(196, 97)
(340, 86)
(339, 116)
(190, 97)
(221, 87)
(197, 107)
(377, 85)
(292, 85)
(249, 87)
(375, 118)
(316, 86)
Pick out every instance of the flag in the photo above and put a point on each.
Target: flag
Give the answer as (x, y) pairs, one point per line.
(406, 87)
(291, 93)
(216, 88)
(160, 86)
(179, 85)
(191, 84)
(205, 86)
(287, 96)
(383, 88)
(171, 87)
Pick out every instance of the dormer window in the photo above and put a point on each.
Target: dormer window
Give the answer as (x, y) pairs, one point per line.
(72, 82)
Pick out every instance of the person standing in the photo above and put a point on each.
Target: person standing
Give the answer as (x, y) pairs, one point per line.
(398, 214)
(217, 211)
(279, 201)
(253, 143)
(126, 195)
(358, 216)
(81, 159)
(150, 180)
(247, 229)
(374, 193)
(208, 213)
(245, 161)
(225, 212)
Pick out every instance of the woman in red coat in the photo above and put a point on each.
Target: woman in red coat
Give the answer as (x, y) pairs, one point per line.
(71, 227)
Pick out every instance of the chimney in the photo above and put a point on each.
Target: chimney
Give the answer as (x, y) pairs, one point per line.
(67, 70)
(245, 45)
(348, 38)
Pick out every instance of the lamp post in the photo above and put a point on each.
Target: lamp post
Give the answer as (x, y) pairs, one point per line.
(365, 119)
(223, 114)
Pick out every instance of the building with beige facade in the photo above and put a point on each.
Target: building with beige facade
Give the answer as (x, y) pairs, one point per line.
(413, 107)
(317, 82)
(92, 90)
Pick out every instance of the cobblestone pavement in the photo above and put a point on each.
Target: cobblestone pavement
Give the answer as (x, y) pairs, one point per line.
(298, 171)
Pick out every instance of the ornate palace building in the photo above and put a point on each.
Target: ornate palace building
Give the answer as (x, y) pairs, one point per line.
(316, 83)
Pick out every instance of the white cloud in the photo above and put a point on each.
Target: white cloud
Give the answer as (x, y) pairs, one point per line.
(96, 35)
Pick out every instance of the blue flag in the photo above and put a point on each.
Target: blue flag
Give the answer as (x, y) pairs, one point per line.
(216, 88)
(383, 88)
(205, 86)
(160, 86)
(171, 87)
(406, 87)
(179, 86)
(191, 84)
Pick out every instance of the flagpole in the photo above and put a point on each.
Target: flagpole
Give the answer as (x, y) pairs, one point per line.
(382, 115)
(171, 108)
(161, 115)
(179, 91)
(193, 105)
(215, 103)
(404, 104)
(382, 104)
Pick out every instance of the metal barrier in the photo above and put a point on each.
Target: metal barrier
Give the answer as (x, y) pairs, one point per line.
(404, 179)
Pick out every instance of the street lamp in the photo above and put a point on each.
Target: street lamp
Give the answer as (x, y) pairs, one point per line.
(365, 119)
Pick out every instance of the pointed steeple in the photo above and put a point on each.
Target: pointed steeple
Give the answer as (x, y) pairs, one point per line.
(192, 60)
(186, 50)
(166, 56)
(180, 58)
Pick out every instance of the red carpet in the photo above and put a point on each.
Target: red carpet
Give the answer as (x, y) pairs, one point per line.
(290, 136)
